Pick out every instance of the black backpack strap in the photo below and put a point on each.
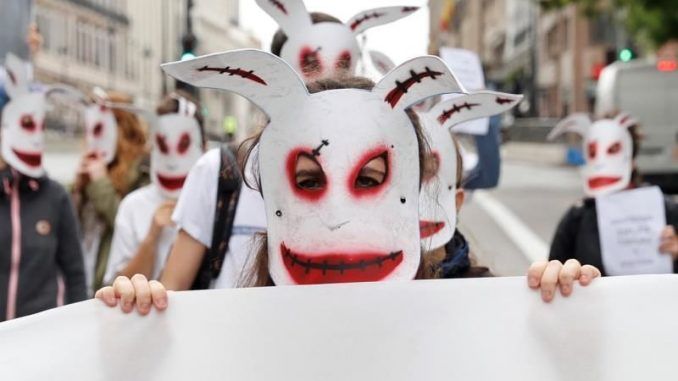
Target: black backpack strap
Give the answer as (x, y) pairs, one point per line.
(228, 193)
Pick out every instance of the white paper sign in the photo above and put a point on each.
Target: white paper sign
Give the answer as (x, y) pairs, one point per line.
(466, 65)
(630, 224)
(619, 328)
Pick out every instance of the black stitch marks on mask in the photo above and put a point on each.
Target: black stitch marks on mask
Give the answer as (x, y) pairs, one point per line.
(316, 151)
(401, 88)
(239, 72)
(449, 187)
(278, 213)
(279, 5)
(447, 114)
(403, 200)
(309, 265)
(502, 101)
(365, 17)
(409, 9)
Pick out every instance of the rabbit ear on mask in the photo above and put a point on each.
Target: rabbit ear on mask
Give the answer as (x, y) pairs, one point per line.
(291, 15)
(477, 104)
(261, 77)
(381, 62)
(378, 16)
(578, 123)
(415, 80)
(18, 76)
(185, 106)
(625, 120)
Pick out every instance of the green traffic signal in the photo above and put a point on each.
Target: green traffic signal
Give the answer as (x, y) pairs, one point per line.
(187, 56)
(626, 55)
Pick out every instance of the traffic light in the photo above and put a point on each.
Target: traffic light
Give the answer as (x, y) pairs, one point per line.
(626, 55)
(188, 42)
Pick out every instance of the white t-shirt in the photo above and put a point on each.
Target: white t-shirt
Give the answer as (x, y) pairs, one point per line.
(132, 224)
(195, 209)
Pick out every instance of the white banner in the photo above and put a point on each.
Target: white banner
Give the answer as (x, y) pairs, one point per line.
(619, 328)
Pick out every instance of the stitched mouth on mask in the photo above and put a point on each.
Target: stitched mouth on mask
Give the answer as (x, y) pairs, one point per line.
(339, 267)
(32, 159)
(429, 228)
(602, 181)
(171, 183)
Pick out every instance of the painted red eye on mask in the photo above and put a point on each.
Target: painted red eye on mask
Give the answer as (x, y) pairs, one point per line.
(161, 141)
(344, 60)
(371, 173)
(614, 148)
(309, 61)
(98, 130)
(184, 143)
(592, 148)
(28, 123)
(305, 175)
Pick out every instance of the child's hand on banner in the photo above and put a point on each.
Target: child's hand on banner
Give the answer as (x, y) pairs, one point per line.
(549, 275)
(138, 291)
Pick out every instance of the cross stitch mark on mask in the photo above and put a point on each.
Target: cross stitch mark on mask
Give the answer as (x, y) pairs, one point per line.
(339, 267)
(279, 5)
(365, 17)
(239, 72)
(502, 101)
(447, 114)
(316, 151)
(402, 87)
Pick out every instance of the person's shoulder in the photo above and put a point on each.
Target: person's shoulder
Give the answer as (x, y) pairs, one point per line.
(210, 159)
(140, 197)
(53, 188)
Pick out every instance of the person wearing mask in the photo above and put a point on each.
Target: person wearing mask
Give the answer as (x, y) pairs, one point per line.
(41, 263)
(108, 171)
(144, 231)
(611, 145)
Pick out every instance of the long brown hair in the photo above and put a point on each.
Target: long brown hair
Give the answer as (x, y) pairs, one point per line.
(257, 274)
(130, 147)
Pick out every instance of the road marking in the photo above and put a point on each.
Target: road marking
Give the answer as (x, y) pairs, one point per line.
(532, 246)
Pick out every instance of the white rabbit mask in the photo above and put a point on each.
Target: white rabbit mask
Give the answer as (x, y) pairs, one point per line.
(339, 231)
(437, 202)
(177, 146)
(608, 147)
(22, 134)
(101, 131)
(325, 49)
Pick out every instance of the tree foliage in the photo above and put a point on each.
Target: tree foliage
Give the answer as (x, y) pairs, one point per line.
(653, 22)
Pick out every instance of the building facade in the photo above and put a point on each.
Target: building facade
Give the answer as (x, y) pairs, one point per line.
(553, 57)
(120, 45)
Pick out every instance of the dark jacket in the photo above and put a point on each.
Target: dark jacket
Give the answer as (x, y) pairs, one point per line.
(46, 264)
(577, 234)
(457, 263)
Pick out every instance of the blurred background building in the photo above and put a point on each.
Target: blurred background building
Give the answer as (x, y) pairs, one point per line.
(120, 44)
(553, 56)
